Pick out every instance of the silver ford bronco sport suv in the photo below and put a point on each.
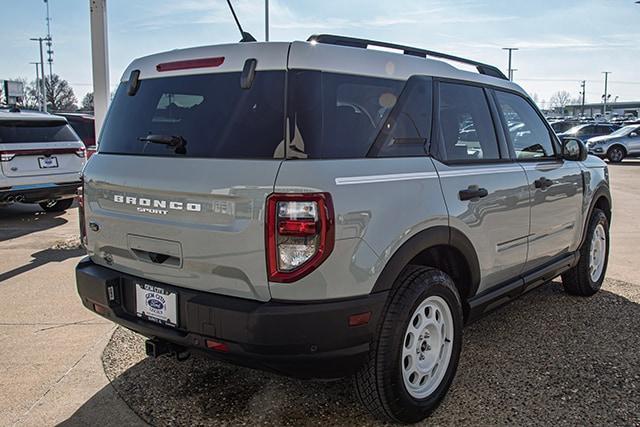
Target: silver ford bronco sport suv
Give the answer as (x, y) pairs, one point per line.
(324, 209)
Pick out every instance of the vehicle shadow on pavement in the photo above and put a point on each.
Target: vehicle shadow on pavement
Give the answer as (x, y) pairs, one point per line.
(547, 358)
(19, 221)
(40, 258)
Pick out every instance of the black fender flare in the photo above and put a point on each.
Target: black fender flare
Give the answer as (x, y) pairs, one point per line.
(601, 191)
(434, 236)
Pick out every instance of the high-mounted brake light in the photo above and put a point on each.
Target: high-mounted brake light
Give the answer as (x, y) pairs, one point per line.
(299, 234)
(190, 63)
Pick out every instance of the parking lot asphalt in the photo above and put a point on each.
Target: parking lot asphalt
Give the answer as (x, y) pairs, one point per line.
(547, 358)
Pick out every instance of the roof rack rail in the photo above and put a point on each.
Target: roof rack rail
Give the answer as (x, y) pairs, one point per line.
(485, 69)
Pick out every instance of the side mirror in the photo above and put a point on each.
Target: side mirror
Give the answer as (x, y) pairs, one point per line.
(633, 134)
(573, 149)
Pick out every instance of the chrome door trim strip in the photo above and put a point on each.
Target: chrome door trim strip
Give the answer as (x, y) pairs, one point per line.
(479, 171)
(370, 179)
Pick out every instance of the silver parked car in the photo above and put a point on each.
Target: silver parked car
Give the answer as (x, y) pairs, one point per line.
(625, 142)
(323, 210)
(41, 160)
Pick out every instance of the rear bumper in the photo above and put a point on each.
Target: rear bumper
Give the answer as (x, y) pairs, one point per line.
(306, 340)
(39, 192)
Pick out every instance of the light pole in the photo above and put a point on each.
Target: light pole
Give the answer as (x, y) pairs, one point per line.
(99, 60)
(604, 106)
(266, 20)
(583, 90)
(510, 49)
(37, 64)
(43, 90)
(49, 40)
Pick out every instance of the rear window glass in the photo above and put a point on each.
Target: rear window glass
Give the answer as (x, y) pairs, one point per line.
(25, 131)
(209, 112)
(84, 128)
(336, 115)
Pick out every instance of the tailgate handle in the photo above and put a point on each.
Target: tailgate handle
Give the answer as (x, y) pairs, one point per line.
(157, 258)
(157, 251)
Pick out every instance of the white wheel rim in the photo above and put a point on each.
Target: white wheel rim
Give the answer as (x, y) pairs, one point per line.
(597, 252)
(427, 347)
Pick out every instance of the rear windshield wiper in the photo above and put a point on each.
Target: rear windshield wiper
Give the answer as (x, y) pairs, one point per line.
(170, 140)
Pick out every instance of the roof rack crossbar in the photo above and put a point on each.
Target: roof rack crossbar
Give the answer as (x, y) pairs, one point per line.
(485, 69)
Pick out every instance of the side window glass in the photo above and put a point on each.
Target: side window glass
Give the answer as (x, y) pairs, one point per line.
(466, 127)
(587, 130)
(407, 129)
(528, 134)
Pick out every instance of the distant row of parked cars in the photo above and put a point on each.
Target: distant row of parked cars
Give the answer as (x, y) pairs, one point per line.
(603, 139)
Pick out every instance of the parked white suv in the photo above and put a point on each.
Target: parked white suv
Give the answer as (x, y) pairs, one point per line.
(41, 160)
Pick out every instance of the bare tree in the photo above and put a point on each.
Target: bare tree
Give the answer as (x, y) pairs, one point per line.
(87, 102)
(560, 99)
(60, 96)
(31, 95)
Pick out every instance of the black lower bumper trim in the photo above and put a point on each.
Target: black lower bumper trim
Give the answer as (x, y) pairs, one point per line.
(307, 340)
(40, 194)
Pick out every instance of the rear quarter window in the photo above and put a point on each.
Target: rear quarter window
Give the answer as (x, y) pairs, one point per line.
(334, 115)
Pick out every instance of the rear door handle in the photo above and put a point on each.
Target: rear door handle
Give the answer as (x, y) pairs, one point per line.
(473, 192)
(543, 183)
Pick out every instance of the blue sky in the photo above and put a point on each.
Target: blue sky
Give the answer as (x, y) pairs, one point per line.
(561, 42)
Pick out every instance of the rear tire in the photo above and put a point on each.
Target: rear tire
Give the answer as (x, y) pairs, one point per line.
(616, 153)
(585, 279)
(414, 358)
(58, 206)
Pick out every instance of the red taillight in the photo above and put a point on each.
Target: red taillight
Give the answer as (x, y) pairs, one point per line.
(190, 63)
(299, 234)
(299, 228)
(6, 156)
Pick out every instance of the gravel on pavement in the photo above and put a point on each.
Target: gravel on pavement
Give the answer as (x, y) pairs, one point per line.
(546, 359)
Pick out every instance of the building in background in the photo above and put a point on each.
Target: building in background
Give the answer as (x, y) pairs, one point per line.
(613, 109)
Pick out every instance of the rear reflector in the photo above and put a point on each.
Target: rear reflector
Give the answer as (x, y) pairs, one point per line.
(100, 309)
(359, 319)
(217, 346)
(190, 63)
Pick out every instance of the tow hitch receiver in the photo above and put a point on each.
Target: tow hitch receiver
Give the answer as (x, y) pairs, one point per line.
(156, 348)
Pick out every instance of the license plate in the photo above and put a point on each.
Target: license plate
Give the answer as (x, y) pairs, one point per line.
(48, 162)
(156, 304)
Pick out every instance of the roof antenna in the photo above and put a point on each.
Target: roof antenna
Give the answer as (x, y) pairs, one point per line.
(246, 37)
